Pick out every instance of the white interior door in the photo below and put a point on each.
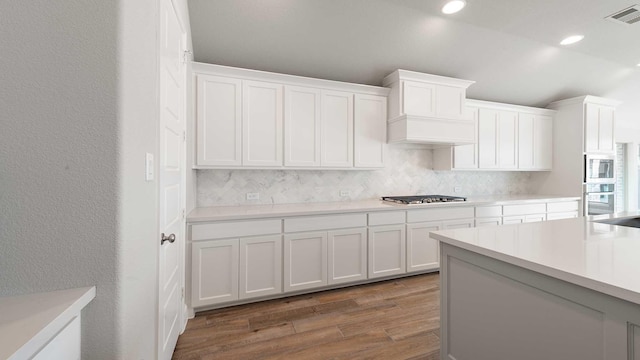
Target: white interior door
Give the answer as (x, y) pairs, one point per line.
(170, 178)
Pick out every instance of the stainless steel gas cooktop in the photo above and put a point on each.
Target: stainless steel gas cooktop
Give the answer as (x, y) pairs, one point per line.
(423, 199)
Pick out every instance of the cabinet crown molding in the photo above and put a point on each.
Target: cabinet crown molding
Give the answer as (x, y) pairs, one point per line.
(509, 107)
(417, 76)
(285, 79)
(583, 100)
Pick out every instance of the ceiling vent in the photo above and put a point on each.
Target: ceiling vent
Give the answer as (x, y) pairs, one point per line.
(630, 15)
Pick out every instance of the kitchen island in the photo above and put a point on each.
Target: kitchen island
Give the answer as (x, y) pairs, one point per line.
(565, 289)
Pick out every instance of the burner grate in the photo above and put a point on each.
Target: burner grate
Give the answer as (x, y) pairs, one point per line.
(423, 199)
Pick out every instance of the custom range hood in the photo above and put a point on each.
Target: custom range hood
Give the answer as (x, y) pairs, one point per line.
(428, 109)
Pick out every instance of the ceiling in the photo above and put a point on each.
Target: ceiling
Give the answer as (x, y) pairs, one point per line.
(509, 47)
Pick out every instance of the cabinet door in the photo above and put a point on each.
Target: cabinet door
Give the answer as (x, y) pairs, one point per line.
(214, 272)
(347, 251)
(218, 121)
(488, 139)
(599, 128)
(423, 252)
(450, 102)
(591, 124)
(418, 99)
(466, 156)
(301, 126)
(260, 266)
(261, 124)
(337, 129)
(507, 140)
(515, 219)
(543, 143)
(606, 134)
(387, 250)
(535, 142)
(305, 261)
(535, 218)
(370, 129)
(458, 224)
(562, 215)
(490, 221)
(526, 140)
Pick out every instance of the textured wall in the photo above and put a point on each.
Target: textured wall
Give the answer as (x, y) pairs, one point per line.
(407, 172)
(58, 156)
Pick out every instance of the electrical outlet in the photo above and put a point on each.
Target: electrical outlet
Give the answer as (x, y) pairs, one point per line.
(253, 196)
(457, 189)
(345, 193)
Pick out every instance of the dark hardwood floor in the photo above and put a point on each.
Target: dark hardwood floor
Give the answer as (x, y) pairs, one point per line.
(395, 319)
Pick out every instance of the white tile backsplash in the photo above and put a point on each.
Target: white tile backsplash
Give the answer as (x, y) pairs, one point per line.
(408, 172)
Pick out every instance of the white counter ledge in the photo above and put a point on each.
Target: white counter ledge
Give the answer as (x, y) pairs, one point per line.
(221, 213)
(601, 257)
(29, 322)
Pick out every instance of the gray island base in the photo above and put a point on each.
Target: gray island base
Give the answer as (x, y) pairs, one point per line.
(566, 289)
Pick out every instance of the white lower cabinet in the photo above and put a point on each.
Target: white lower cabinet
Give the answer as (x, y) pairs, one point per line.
(347, 255)
(562, 215)
(490, 221)
(235, 269)
(305, 260)
(214, 275)
(520, 219)
(423, 252)
(260, 266)
(387, 250)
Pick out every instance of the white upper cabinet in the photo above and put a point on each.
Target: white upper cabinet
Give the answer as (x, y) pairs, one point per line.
(302, 127)
(599, 128)
(427, 109)
(509, 137)
(370, 131)
(254, 119)
(535, 142)
(262, 124)
(219, 121)
(337, 129)
(418, 98)
(507, 140)
(460, 157)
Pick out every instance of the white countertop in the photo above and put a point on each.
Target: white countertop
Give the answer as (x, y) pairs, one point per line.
(28, 322)
(218, 213)
(601, 257)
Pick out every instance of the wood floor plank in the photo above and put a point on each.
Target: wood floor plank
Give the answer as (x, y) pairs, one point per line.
(415, 347)
(342, 348)
(288, 344)
(395, 319)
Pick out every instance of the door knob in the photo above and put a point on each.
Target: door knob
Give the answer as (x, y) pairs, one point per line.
(171, 238)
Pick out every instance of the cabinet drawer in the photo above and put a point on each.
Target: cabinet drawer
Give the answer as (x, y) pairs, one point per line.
(489, 211)
(327, 222)
(221, 230)
(524, 209)
(563, 206)
(562, 215)
(439, 214)
(387, 218)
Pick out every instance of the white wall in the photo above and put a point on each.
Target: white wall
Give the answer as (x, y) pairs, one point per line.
(59, 155)
(79, 110)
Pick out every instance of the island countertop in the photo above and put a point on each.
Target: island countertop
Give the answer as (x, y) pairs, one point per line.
(597, 256)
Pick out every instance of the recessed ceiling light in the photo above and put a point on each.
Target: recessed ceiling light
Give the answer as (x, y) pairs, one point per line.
(572, 39)
(453, 6)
